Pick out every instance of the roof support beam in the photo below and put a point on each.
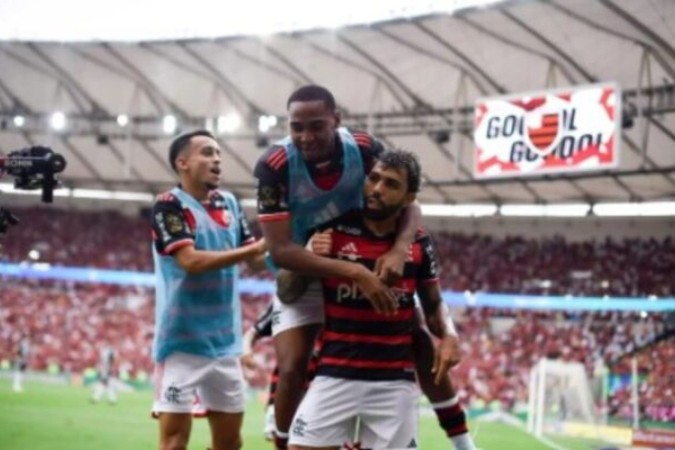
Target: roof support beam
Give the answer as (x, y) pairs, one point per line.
(454, 50)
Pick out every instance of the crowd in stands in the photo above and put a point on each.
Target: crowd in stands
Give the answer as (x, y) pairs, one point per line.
(68, 322)
(476, 263)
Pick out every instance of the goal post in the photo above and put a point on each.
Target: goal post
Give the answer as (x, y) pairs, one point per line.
(560, 393)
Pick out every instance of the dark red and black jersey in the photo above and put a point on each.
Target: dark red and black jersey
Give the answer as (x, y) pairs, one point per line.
(173, 226)
(358, 342)
(271, 171)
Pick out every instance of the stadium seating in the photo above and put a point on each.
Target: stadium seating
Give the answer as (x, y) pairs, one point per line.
(69, 322)
(628, 267)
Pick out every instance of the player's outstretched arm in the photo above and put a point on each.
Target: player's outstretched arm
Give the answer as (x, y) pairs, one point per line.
(258, 263)
(195, 261)
(447, 353)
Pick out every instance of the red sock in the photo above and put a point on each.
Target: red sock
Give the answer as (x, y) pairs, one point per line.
(451, 417)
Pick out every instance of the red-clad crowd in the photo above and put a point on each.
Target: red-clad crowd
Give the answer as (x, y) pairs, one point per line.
(477, 263)
(67, 322)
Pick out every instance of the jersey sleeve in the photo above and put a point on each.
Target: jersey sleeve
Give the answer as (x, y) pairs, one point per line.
(272, 174)
(371, 148)
(429, 271)
(170, 227)
(245, 235)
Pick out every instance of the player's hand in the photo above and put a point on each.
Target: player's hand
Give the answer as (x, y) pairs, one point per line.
(248, 361)
(389, 267)
(447, 355)
(376, 292)
(322, 243)
(258, 248)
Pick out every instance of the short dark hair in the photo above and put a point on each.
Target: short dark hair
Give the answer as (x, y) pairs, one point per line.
(401, 159)
(312, 92)
(181, 142)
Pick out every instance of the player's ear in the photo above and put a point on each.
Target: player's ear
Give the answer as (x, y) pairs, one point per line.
(338, 118)
(410, 198)
(181, 160)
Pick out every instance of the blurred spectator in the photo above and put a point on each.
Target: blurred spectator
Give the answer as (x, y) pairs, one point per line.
(628, 267)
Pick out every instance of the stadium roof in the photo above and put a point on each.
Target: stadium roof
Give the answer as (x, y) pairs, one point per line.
(407, 79)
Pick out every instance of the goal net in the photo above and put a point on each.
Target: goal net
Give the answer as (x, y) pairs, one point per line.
(560, 394)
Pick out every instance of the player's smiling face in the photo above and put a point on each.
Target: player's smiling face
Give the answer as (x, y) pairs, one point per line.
(385, 192)
(312, 128)
(201, 161)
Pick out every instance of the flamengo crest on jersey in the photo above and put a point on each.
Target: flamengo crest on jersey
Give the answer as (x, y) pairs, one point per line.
(311, 206)
(199, 314)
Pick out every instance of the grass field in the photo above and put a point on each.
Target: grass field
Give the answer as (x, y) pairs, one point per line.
(48, 417)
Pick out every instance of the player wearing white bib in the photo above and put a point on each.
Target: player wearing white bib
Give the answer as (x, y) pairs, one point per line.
(106, 381)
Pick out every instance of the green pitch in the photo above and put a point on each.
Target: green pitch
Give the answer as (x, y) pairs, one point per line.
(46, 417)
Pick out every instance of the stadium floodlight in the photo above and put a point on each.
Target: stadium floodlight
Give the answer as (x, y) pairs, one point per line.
(228, 123)
(101, 194)
(122, 120)
(8, 188)
(248, 203)
(169, 124)
(265, 123)
(656, 209)
(19, 121)
(518, 210)
(467, 210)
(552, 210)
(645, 209)
(568, 210)
(58, 121)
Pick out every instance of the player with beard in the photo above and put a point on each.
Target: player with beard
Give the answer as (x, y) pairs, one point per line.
(313, 176)
(200, 236)
(366, 368)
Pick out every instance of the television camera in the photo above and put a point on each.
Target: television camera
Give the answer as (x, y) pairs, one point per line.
(32, 168)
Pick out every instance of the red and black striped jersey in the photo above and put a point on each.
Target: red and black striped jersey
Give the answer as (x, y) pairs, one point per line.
(358, 342)
(271, 170)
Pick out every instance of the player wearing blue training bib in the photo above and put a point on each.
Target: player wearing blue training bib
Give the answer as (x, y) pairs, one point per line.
(200, 234)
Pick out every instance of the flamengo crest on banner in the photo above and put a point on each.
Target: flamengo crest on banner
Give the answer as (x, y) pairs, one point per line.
(564, 130)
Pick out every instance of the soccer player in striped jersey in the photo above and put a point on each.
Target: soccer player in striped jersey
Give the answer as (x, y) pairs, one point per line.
(313, 176)
(367, 362)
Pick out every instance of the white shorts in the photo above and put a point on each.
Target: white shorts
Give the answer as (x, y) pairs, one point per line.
(306, 310)
(218, 383)
(387, 410)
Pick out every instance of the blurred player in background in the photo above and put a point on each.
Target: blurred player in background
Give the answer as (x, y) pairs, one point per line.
(21, 362)
(106, 380)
